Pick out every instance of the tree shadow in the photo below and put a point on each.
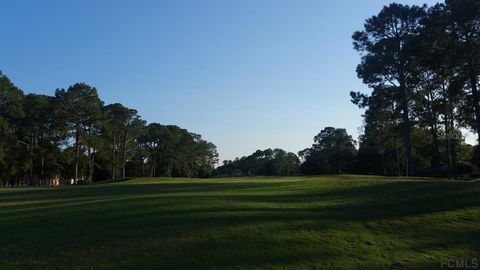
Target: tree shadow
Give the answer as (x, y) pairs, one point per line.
(235, 225)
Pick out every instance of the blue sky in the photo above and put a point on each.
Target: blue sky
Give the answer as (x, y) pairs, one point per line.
(246, 74)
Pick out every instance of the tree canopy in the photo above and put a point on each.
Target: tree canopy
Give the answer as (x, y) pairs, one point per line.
(422, 64)
(267, 162)
(72, 136)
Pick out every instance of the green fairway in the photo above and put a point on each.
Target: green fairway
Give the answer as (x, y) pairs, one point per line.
(344, 222)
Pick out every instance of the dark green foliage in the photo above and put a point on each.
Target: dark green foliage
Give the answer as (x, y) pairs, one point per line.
(333, 151)
(73, 137)
(13, 161)
(173, 151)
(423, 66)
(83, 114)
(267, 162)
(387, 46)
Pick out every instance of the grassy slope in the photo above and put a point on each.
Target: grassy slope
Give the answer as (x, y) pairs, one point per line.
(347, 222)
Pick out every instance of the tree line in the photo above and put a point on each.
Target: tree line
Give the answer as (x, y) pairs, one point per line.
(422, 64)
(73, 136)
(267, 162)
(333, 151)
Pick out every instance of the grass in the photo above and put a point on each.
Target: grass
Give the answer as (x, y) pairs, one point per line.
(331, 222)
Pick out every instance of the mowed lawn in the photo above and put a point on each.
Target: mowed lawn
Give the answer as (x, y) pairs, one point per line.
(330, 222)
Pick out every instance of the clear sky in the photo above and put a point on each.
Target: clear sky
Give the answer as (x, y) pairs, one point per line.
(246, 74)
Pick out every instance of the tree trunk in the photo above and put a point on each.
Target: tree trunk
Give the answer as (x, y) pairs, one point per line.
(42, 180)
(92, 162)
(398, 157)
(77, 152)
(475, 95)
(31, 159)
(124, 153)
(454, 160)
(338, 157)
(383, 163)
(113, 155)
(407, 133)
(434, 132)
(454, 140)
(152, 168)
(436, 146)
(447, 138)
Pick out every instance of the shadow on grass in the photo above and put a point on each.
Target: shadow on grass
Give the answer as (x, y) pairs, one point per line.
(362, 203)
(229, 226)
